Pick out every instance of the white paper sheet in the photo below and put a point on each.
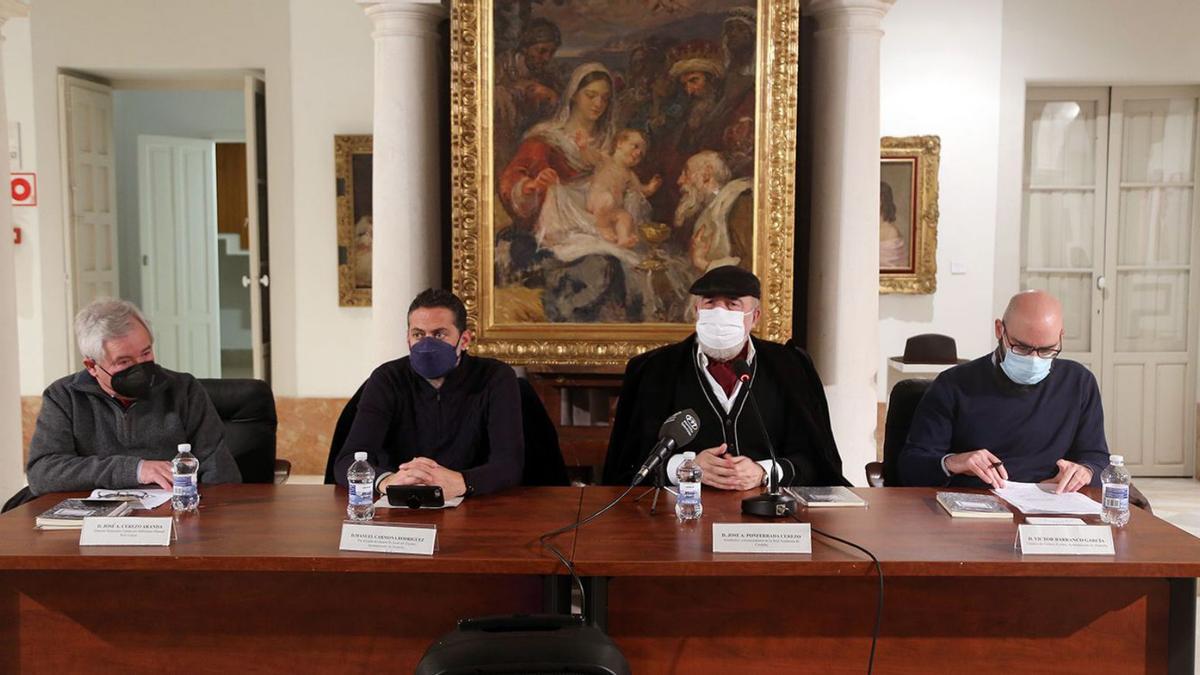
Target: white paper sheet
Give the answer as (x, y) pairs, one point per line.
(1040, 498)
(148, 499)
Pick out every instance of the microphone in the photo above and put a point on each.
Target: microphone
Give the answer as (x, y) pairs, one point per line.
(677, 431)
(773, 504)
(743, 370)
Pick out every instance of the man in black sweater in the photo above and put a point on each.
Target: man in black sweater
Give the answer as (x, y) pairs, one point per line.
(698, 373)
(439, 416)
(1019, 413)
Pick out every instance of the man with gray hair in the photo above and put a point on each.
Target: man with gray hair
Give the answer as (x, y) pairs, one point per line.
(117, 423)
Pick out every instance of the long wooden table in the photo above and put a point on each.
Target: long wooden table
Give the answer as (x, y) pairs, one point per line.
(256, 583)
(958, 596)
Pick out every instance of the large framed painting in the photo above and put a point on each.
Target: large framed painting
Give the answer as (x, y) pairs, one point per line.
(352, 161)
(605, 154)
(908, 214)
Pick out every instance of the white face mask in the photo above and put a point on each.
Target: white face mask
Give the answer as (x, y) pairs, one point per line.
(721, 332)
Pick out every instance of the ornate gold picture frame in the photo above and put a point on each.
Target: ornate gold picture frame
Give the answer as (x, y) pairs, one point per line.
(908, 214)
(619, 118)
(352, 168)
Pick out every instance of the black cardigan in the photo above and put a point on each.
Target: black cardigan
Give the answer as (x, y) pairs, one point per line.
(785, 385)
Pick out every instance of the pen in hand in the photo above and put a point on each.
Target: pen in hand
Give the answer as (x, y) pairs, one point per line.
(1000, 478)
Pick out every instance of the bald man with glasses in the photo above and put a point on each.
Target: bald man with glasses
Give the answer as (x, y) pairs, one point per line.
(1020, 413)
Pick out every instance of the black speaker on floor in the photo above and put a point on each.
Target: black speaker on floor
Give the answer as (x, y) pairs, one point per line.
(549, 643)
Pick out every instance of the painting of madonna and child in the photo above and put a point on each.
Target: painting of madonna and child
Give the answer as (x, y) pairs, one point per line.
(624, 155)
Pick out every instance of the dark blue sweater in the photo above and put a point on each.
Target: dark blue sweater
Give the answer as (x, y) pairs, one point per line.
(1029, 428)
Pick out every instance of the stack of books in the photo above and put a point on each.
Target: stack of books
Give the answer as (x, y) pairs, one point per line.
(69, 513)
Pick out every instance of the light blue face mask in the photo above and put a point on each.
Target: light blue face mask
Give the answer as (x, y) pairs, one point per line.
(1026, 370)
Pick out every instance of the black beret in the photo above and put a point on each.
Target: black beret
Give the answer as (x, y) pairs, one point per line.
(729, 281)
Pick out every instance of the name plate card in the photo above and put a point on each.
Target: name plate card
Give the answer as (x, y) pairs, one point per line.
(125, 531)
(381, 538)
(762, 538)
(1065, 540)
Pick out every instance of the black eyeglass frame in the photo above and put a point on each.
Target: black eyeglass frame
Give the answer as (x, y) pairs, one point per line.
(1022, 349)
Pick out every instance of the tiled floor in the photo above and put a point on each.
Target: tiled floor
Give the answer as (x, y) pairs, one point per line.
(1177, 501)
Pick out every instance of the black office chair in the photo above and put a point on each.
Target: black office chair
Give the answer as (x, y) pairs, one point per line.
(544, 464)
(901, 405)
(23, 495)
(341, 431)
(524, 644)
(247, 408)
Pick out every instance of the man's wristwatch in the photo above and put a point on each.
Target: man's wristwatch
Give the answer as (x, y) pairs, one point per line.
(470, 489)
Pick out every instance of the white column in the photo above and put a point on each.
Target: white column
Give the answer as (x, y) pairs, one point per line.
(406, 255)
(12, 470)
(843, 319)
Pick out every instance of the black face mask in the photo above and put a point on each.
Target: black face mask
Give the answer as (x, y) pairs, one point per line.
(135, 381)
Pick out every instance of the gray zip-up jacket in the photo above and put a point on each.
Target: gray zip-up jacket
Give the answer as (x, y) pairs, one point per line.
(85, 439)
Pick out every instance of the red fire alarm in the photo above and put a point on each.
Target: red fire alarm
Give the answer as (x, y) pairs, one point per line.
(23, 187)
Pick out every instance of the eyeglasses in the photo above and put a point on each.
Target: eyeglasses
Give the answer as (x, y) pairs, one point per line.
(1022, 349)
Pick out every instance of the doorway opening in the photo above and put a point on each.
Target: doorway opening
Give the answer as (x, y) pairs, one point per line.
(168, 209)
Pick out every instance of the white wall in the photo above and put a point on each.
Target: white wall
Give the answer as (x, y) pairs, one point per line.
(18, 91)
(332, 87)
(11, 466)
(940, 75)
(189, 114)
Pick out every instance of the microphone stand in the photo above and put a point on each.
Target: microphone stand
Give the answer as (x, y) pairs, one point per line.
(660, 479)
(773, 504)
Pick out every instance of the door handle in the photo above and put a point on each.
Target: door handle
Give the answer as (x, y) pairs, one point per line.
(245, 281)
(264, 281)
(1101, 282)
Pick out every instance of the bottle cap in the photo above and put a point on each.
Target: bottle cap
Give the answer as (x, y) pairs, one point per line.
(689, 455)
(1116, 459)
(360, 456)
(185, 447)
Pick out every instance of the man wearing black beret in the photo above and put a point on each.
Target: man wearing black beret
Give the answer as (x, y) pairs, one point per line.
(698, 373)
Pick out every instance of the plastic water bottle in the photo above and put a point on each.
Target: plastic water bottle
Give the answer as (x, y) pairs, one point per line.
(687, 505)
(185, 493)
(361, 478)
(1115, 497)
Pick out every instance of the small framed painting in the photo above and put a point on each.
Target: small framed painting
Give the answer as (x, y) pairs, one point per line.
(908, 214)
(352, 167)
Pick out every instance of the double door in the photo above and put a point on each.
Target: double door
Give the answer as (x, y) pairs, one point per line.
(1109, 226)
